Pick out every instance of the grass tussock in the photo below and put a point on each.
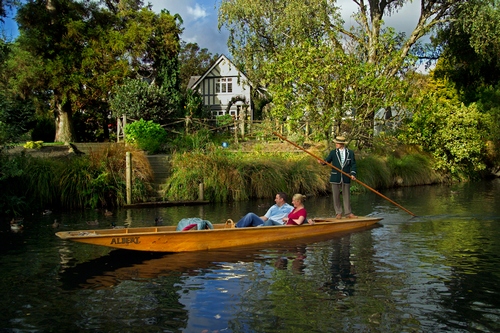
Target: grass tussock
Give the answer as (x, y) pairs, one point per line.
(74, 183)
(217, 171)
(412, 169)
(88, 181)
(264, 177)
(373, 171)
(308, 177)
(38, 180)
(231, 176)
(112, 160)
(98, 179)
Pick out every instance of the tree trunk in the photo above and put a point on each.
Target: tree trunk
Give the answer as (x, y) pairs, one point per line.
(64, 123)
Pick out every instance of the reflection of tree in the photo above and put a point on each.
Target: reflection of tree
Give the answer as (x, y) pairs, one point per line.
(468, 248)
(470, 297)
(289, 300)
(118, 275)
(322, 297)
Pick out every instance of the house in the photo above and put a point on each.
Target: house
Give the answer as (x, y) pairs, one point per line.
(224, 89)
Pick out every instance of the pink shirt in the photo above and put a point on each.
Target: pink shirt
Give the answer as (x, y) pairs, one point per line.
(295, 215)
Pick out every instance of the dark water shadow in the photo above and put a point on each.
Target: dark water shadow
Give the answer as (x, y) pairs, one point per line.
(120, 265)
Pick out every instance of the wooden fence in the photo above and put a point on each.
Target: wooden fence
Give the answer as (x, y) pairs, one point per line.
(239, 128)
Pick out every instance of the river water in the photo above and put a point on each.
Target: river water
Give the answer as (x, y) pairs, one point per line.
(437, 272)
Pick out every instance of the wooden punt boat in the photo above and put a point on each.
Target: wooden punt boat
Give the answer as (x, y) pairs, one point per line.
(167, 239)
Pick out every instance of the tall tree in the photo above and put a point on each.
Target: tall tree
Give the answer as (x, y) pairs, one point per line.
(153, 93)
(137, 44)
(85, 49)
(51, 31)
(471, 48)
(470, 63)
(269, 32)
(194, 61)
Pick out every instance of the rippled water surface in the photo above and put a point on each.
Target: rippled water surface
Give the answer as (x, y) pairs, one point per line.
(437, 272)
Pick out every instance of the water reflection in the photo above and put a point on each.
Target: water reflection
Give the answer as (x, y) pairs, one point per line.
(120, 265)
(343, 277)
(434, 273)
(294, 261)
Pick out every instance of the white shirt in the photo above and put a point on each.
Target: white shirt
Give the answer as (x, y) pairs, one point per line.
(342, 155)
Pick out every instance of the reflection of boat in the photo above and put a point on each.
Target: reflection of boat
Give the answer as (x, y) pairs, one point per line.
(167, 239)
(121, 265)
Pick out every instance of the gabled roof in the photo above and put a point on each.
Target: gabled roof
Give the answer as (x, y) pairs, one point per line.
(192, 81)
(198, 79)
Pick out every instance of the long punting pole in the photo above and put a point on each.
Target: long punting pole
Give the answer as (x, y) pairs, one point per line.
(343, 172)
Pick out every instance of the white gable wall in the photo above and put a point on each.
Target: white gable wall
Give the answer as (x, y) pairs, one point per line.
(220, 85)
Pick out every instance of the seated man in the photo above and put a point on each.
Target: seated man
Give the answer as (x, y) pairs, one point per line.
(273, 216)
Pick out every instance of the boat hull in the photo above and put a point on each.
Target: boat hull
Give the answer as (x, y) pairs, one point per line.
(167, 239)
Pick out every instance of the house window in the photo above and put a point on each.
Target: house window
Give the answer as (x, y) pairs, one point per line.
(217, 113)
(224, 85)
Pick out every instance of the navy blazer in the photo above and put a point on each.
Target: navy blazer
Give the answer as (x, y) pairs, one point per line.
(348, 167)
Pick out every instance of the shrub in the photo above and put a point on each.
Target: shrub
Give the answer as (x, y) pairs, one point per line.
(146, 135)
(33, 145)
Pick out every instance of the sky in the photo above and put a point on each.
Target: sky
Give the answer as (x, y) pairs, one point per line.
(200, 21)
(199, 16)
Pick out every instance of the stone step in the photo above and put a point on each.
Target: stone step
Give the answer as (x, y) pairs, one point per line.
(87, 147)
(160, 164)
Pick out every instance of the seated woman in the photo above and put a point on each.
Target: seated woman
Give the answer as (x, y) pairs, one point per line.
(299, 214)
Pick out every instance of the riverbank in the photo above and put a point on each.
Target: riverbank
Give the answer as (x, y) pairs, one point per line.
(68, 178)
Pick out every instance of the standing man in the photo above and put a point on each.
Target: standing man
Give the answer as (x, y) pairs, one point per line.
(343, 159)
(273, 216)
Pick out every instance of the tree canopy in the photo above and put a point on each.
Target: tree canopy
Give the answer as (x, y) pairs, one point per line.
(194, 61)
(357, 69)
(471, 48)
(81, 50)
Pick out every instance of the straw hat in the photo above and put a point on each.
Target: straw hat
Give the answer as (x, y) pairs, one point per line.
(340, 139)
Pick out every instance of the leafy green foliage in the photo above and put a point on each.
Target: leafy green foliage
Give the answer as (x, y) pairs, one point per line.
(146, 135)
(334, 89)
(194, 105)
(471, 48)
(33, 145)
(16, 118)
(224, 120)
(454, 134)
(139, 99)
(470, 66)
(316, 69)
